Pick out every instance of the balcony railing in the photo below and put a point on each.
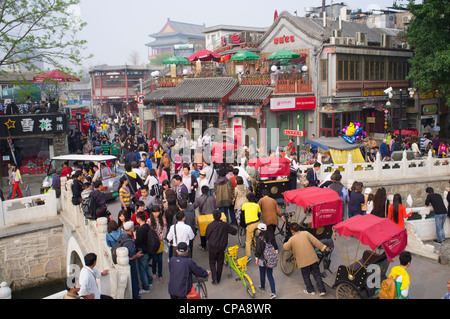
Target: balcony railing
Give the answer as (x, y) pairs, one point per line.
(292, 83)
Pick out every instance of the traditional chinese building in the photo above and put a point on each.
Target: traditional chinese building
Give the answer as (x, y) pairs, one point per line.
(176, 33)
(113, 88)
(31, 139)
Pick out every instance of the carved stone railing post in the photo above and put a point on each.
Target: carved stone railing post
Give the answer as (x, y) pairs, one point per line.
(123, 275)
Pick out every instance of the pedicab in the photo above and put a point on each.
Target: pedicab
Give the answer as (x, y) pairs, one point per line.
(273, 174)
(323, 206)
(361, 278)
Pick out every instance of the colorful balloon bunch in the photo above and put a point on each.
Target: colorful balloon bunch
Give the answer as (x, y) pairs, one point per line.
(353, 133)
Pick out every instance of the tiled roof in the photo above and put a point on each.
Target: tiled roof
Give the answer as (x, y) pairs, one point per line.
(156, 96)
(250, 93)
(202, 89)
(314, 28)
(193, 30)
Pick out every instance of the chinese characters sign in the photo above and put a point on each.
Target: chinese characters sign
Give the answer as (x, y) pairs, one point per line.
(284, 39)
(33, 124)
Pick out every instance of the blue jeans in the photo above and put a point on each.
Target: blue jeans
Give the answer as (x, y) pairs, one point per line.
(262, 276)
(144, 272)
(440, 220)
(228, 210)
(157, 261)
(134, 279)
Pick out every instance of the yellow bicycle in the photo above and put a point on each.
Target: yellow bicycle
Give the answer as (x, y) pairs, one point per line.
(239, 266)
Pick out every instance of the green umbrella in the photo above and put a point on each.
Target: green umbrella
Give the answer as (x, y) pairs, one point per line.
(283, 54)
(245, 56)
(178, 60)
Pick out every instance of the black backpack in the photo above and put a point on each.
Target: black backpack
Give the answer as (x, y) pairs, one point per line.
(152, 242)
(89, 207)
(119, 243)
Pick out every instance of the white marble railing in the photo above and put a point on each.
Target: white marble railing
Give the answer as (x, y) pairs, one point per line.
(26, 209)
(424, 229)
(427, 167)
(89, 236)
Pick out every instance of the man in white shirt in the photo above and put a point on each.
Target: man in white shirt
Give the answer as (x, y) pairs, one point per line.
(211, 176)
(88, 279)
(180, 232)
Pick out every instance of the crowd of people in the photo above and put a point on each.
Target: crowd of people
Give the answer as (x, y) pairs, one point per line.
(420, 146)
(165, 196)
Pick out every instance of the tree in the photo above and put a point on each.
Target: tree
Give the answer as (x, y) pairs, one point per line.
(40, 31)
(134, 58)
(429, 36)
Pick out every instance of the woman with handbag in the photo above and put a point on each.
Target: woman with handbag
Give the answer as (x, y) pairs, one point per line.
(17, 179)
(157, 222)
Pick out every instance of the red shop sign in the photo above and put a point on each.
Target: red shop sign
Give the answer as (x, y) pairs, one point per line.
(284, 39)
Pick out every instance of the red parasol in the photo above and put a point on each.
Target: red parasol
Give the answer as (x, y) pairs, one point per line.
(55, 75)
(325, 204)
(271, 166)
(205, 55)
(373, 231)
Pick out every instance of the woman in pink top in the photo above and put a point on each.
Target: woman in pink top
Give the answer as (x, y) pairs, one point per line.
(162, 175)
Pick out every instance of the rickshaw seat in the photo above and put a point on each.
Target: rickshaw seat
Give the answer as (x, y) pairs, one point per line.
(368, 258)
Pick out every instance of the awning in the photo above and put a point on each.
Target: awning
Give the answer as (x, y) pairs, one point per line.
(336, 143)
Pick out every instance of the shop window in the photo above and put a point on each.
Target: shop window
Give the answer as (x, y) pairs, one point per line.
(348, 68)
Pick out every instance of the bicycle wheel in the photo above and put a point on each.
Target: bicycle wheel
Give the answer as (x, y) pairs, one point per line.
(288, 264)
(201, 290)
(248, 283)
(241, 236)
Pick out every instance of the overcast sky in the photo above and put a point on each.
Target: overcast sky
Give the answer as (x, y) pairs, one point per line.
(115, 28)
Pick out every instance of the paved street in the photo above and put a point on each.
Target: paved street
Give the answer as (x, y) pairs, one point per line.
(431, 286)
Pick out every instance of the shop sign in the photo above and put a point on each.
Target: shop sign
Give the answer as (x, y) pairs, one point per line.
(284, 39)
(373, 93)
(293, 103)
(429, 109)
(294, 133)
(32, 124)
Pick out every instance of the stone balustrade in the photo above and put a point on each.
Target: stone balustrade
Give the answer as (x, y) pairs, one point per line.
(32, 208)
(428, 167)
(90, 237)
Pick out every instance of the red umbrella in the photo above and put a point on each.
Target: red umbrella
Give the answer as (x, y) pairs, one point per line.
(205, 55)
(271, 166)
(372, 230)
(55, 75)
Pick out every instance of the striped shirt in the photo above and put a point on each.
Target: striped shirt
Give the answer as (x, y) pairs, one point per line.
(125, 194)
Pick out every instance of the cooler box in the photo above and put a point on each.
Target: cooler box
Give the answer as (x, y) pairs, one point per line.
(204, 220)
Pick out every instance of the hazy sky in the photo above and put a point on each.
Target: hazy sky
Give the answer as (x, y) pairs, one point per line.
(115, 28)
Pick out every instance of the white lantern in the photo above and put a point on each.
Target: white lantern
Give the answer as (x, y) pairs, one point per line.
(273, 68)
(304, 68)
(185, 72)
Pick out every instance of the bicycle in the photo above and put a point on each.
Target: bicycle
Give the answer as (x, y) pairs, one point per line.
(289, 264)
(239, 266)
(287, 258)
(200, 287)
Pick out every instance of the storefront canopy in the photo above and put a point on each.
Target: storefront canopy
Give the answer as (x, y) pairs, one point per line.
(339, 149)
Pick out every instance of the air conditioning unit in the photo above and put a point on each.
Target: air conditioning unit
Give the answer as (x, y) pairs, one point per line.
(336, 33)
(361, 38)
(386, 41)
(350, 40)
(406, 19)
(337, 40)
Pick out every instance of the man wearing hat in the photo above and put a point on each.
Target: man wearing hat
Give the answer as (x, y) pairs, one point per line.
(181, 269)
(133, 254)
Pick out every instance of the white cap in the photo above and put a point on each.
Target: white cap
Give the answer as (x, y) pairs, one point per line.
(128, 225)
(368, 190)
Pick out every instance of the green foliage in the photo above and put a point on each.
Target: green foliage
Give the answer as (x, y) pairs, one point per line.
(43, 31)
(161, 57)
(429, 37)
